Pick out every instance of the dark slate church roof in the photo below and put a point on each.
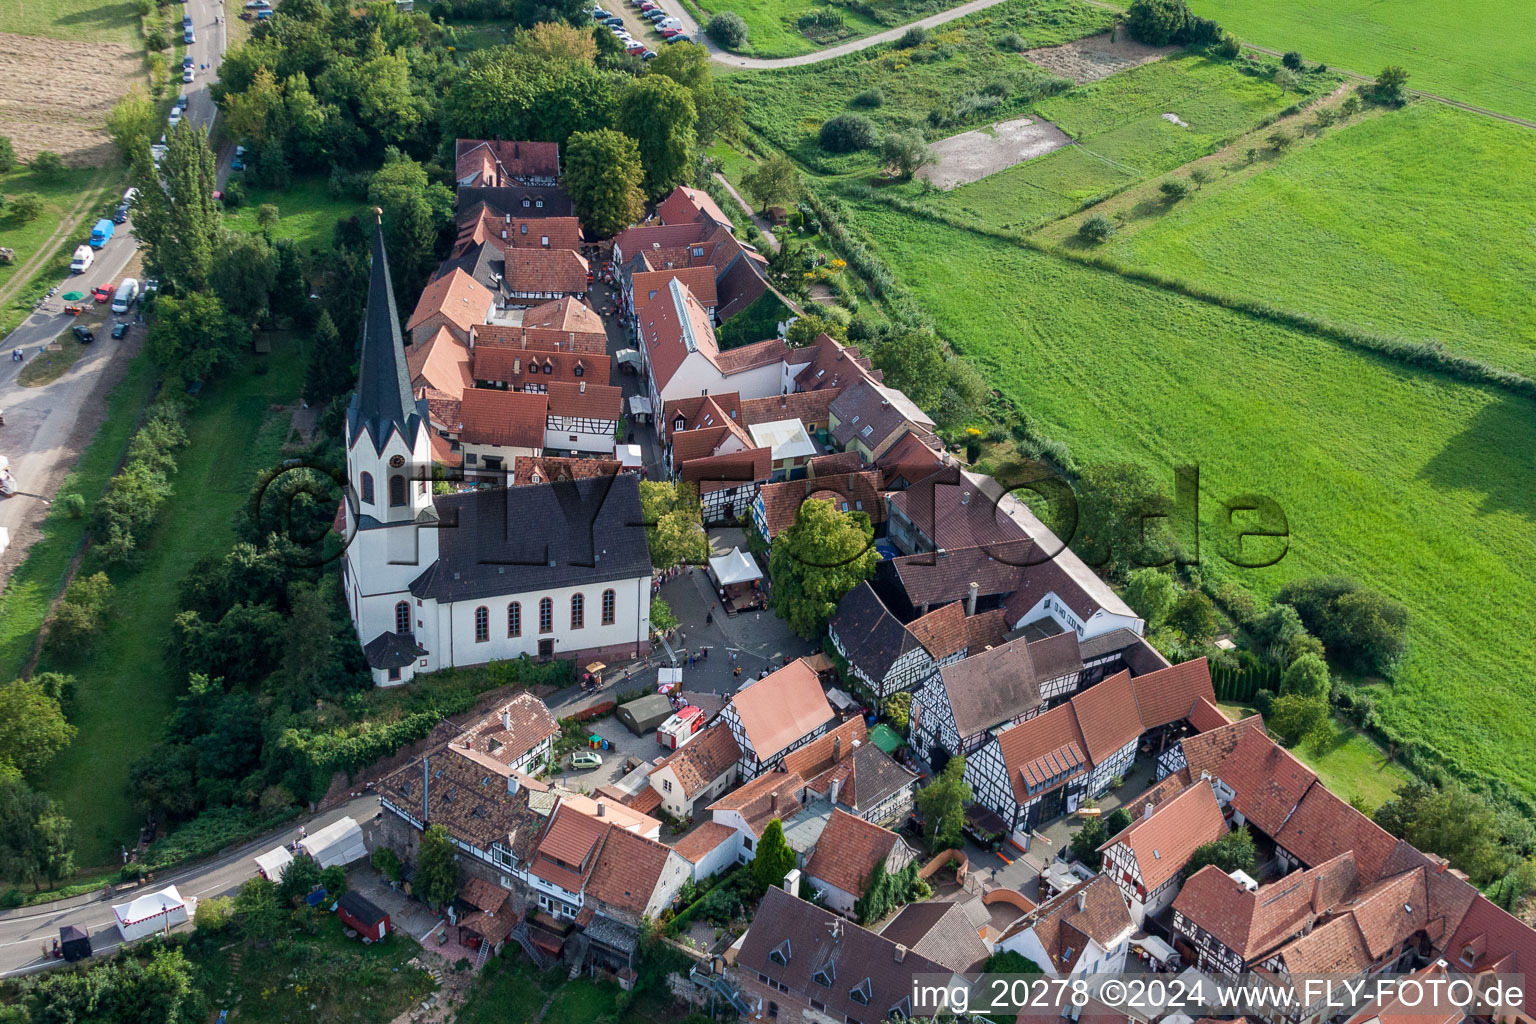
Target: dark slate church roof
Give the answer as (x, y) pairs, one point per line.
(383, 401)
(392, 650)
(541, 537)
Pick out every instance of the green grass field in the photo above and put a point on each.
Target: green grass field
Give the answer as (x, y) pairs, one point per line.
(1412, 483)
(125, 687)
(108, 21)
(78, 189)
(1478, 52)
(788, 105)
(1414, 223)
(1350, 765)
(1123, 136)
(306, 211)
(773, 25)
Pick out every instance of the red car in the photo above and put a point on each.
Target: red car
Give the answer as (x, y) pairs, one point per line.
(102, 293)
(637, 49)
(668, 33)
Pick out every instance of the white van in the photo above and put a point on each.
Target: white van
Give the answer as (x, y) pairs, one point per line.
(83, 258)
(127, 293)
(668, 23)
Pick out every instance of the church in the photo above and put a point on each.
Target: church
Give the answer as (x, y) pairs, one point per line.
(557, 570)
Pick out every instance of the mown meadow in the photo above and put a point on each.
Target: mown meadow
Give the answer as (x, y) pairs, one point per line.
(1414, 223)
(1478, 53)
(1408, 481)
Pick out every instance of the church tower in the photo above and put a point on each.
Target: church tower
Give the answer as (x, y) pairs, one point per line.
(390, 517)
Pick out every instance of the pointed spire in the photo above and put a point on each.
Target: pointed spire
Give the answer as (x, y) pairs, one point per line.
(384, 398)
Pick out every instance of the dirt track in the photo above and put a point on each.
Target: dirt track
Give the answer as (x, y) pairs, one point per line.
(56, 95)
(1094, 57)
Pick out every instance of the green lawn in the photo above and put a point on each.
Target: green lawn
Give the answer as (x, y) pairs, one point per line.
(306, 211)
(1415, 484)
(477, 35)
(774, 27)
(789, 105)
(1123, 136)
(508, 989)
(1415, 223)
(78, 188)
(1350, 765)
(1478, 52)
(108, 21)
(125, 687)
(326, 977)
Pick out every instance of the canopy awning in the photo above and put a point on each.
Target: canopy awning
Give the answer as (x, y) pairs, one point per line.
(1155, 947)
(274, 862)
(632, 356)
(735, 566)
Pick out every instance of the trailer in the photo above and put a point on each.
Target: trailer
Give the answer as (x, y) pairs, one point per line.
(681, 727)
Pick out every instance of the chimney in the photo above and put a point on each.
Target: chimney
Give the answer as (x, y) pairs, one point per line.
(773, 801)
(1147, 811)
(940, 553)
(602, 809)
(837, 748)
(970, 598)
(1082, 899)
(792, 881)
(506, 721)
(837, 785)
(899, 953)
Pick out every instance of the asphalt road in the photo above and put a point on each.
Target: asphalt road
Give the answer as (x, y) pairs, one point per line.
(25, 933)
(39, 421)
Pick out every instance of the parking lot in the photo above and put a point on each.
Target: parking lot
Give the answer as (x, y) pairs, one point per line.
(641, 29)
(623, 742)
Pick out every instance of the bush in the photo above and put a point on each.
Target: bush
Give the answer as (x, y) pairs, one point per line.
(870, 98)
(912, 37)
(1228, 48)
(1011, 41)
(1280, 140)
(1096, 229)
(386, 863)
(27, 206)
(1292, 60)
(48, 163)
(155, 40)
(728, 29)
(234, 195)
(73, 505)
(1157, 22)
(847, 133)
(1351, 105)
(213, 914)
(7, 155)
(1174, 189)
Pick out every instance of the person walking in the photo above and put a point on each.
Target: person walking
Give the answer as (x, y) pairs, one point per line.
(737, 671)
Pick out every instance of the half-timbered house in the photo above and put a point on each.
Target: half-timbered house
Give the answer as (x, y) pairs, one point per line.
(583, 417)
(887, 657)
(1146, 859)
(1084, 930)
(775, 715)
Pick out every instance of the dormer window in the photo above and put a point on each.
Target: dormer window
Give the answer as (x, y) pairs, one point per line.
(1469, 956)
(679, 423)
(539, 203)
(698, 250)
(862, 993)
(901, 1011)
(578, 371)
(826, 976)
(525, 204)
(780, 954)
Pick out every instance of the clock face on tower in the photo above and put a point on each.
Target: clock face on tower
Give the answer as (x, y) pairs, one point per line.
(397, 461)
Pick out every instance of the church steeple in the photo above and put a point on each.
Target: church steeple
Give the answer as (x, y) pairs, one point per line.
(383, 401)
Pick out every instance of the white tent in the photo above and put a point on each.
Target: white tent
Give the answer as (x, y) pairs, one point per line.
(150, 913)
(629, 456)
(735, 566)
(340, 842)
(274, 862)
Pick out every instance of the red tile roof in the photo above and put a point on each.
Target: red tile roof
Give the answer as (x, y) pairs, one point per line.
(1061, 925)
(831, 465)
(537, 469)
(942, 631)
(546, 339)
(651, 285)
(832, 365)
(1323, 826)
(485, 223)
(1267, 780)
(686, 205)
(1206, 716)
(1169, 694)
(730, 469)
(698, 764)
(567, 315)
(520, 368)
(848, 850)
(859, 491)
(627, 871)
(494, 164)
(546, 270)
(786, 706)
(809, 407)
(441, 363)
(1163, 842)
(748, 357)
(1254, 924)
(504, 419)
(526, 724)
(704, 441)
(589, 401)
(770, 795)
(827, 749)
(1045, 752)
(696, 845)
(1107, 715)
(672, 329)
(463, 302)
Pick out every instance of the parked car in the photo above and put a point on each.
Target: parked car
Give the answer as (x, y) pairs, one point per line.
(257, 5)
(637, 49)
(681, 37)
(175, 116)
(655, 16)
(186, 61)
(120, 215)
(584, 759)
(648, 55)
(599, 14)
(668, 33)
(83, 333)
(187, 74)
(120, 330)
(614, 22)
(238, 163)
(263, 15)
(102, 293)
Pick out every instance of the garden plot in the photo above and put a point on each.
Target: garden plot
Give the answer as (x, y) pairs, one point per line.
(971, 156)
(1094, 57)
(42, 107)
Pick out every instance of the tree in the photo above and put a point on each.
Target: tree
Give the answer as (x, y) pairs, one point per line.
(32, 726)
(1361, 627)
(386, 862)
(773, 858)
(1232, 852)
(175, 215)
(300, 878)
(1280, 140)
(78, 620)
(1118, 523)
(1096, 229)
(554, 41)
(1287, 80)
(965, 393)
(309, 654)
(728, 29)
(660, 116)
(825, 554)
(334, 881)
(772, 182)
(267, 217)
(942, 805)
(674, 523)
(1306, 676)
(1297, 717)
(26, 207)
(48, 164)
(847, 133)
(1173, 190)
(912, 361)
(1451, 821)
(1118, 821)
(1195, 616)
(663, 618)
(1351, 105)
(719, 109)
(1292, 60)
(898, 708)
(808, 327)
(1157, 22)
(1228, 47)
(243, 274)
(1007, 961)
(415, 209)
(437, 874)
(603, 175)
(884, 891)
(259, 910)
(34, 837)
(1390, 84)
(329, 372)
(193, 338)
(1201, 176)
(214, 914)
(7, 155)
(133, 125)
(1153, 593)
(1086, 843)
(906, 152)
